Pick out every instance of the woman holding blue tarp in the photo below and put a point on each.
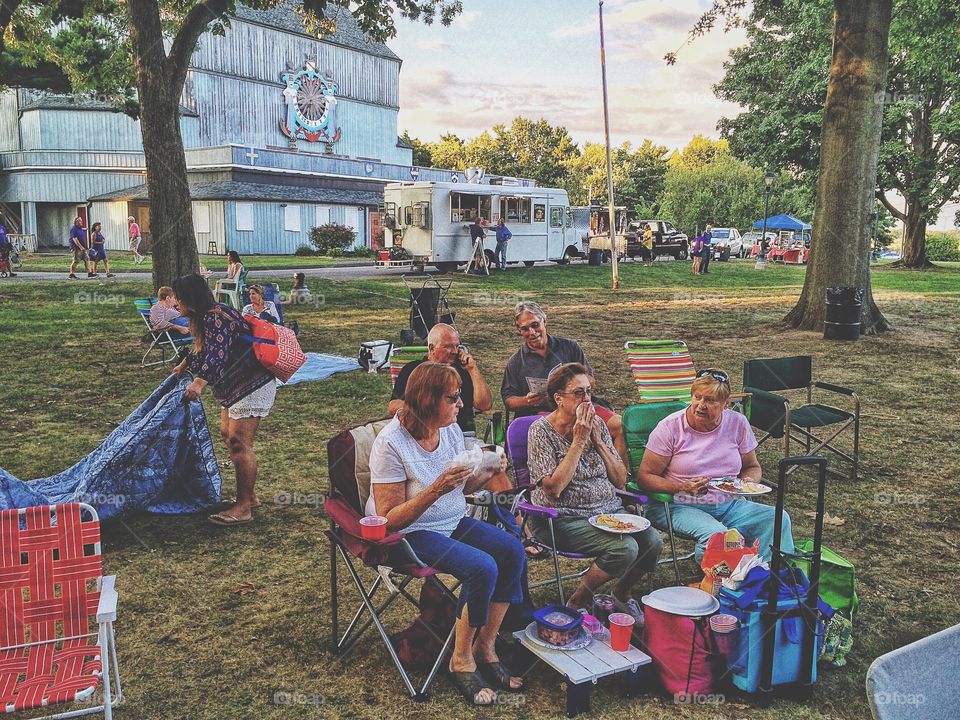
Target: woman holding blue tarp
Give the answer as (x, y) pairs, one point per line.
(223, 358)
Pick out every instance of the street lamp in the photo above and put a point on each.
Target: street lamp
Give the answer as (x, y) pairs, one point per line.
(768, 179)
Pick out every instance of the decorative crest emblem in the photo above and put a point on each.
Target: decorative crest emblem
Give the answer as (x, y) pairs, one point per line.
(311, 102)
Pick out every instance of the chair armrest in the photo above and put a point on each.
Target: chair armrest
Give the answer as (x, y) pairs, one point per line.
(529, 509)
(834, 388)
(758, 394)
(649, 495)
(635, 497)
(107, 607)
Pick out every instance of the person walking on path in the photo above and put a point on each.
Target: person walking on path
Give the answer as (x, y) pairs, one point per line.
(80, 247)
(6, 247)
(134, 234)
(707, 250)
(503, 237)
(98, 250)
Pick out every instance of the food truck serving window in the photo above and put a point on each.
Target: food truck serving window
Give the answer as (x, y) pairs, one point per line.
(465, 207)
(556, 217)
(515, 209)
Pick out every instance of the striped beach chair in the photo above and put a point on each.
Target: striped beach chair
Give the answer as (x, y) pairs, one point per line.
(400, 356)
(662, 369)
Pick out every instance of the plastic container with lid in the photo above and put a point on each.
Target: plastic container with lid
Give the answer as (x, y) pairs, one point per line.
(557, 624)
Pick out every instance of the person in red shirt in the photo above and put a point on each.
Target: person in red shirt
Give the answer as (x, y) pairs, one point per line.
(134, 235)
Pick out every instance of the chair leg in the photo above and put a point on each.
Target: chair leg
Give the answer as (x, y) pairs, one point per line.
(334, 601)
(856, 446)
(673, 543)
(556, 561)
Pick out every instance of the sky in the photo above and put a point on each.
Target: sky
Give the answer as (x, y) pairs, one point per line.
(541, 58)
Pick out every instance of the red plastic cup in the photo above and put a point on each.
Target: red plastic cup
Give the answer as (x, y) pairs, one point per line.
(621, 628)
(373, 527)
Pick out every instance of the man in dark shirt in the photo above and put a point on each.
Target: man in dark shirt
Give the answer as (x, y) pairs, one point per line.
(525, 376)
(707, 250)
(80, 247)
(443, 346)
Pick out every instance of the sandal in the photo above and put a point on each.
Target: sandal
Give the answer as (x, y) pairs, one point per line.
(227, 504)
(470, 684)
(498, 675)
(225, 520)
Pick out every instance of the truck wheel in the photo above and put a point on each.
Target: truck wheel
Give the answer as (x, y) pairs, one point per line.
(447, 267)
(682, 255)
(528, 263)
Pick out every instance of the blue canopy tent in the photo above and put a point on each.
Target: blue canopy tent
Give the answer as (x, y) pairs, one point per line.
(783, 222)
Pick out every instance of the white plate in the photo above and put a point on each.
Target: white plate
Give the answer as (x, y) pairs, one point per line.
(578, 644)
(681, 600)
(639, 523)
(738, 482)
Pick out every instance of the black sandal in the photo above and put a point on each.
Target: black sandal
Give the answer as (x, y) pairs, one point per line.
(470, 684)
(498, 675)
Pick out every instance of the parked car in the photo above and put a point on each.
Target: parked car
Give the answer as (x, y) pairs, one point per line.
(667, 240)
(726, 242)
(750, 241)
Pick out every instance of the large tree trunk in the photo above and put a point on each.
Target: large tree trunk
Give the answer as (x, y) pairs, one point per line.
(914, 252)
(850, 145)
(159, 87)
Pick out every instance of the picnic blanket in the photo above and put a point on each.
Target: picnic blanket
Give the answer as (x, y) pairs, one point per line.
(160, 459)
(319, 366)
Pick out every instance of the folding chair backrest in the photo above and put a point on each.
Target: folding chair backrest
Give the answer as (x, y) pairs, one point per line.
(271, 293)
(639, 420)
(348, 463)
(143, 306)
(773, 374)
(517, 448)
(400, 356)
(50, 568)
(662, 369)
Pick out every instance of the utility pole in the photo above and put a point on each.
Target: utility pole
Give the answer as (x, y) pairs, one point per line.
(612, 227)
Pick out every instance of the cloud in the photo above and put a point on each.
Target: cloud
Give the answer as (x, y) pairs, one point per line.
(434, 45)
(465, 20)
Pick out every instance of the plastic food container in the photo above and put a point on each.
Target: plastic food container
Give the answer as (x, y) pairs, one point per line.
(558, 625)
(373, 527)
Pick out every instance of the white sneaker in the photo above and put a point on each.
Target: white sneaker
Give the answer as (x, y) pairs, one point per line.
(635, 611)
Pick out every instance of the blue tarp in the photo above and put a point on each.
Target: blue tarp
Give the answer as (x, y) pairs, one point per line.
(320, 365)
(160, 459)
(782, 222)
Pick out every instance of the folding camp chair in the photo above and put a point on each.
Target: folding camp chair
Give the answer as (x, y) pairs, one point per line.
(428, 303)
(774, 415)
(517, 449)
(392, 559)
(58, 610)
(164, 340)
(639, 420)
(231, 292)
(400, 356)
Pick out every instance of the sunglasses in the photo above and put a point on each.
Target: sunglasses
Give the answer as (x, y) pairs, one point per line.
(717, 375)
(535, 325)
(581, 393)
(454, 398)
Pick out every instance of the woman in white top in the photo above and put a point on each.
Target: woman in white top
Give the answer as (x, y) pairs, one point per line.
(234, 266)
(258, 307)
(414, 487)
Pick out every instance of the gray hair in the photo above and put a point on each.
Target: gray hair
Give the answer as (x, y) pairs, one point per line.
(438, 331)
(131, 218)
(529, 307)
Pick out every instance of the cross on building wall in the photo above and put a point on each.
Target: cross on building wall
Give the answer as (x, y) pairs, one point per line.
(252, 154)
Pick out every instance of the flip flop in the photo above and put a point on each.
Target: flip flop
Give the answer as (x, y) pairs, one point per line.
(498, 675)
(225, 520)
(231, 503)
(469, 684)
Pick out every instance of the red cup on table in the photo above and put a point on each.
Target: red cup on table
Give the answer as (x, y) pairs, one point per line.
(373, 527)
(621, 628)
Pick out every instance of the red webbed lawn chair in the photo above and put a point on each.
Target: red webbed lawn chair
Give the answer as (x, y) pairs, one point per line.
(56, 637)
(348, 456)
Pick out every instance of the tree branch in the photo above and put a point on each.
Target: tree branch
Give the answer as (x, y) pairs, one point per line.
(890, 208)
(194, 25)
(7, 9)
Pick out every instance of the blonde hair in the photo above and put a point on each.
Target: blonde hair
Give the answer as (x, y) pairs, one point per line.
(164, 292)
(709, 385)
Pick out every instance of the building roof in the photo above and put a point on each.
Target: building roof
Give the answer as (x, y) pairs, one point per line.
(233, 190)
(285, 17)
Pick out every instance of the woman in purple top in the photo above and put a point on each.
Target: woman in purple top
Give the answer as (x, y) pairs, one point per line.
(224, 359)
(688, 448)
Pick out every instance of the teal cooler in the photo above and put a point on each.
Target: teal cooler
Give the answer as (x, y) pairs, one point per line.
(787, 659)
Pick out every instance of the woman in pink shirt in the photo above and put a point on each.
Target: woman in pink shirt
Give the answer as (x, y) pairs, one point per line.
(134, 235)
(704, 441)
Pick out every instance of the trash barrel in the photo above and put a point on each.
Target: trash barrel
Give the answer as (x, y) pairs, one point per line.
(595, 257)
(842, 320)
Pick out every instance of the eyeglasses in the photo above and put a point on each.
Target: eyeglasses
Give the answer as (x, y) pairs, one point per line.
(454, 398)
(581, 393)
(535, 325)
(717, 375)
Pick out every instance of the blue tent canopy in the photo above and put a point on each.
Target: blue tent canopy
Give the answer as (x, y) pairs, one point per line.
(782, 222)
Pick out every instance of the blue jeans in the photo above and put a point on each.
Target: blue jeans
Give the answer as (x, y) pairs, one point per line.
(491, 564)
(753, 520)
(501, 253)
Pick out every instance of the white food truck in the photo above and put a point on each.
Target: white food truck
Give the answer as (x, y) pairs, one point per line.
(431, 221)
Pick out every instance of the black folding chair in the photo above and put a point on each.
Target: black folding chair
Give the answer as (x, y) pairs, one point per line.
(428, 303)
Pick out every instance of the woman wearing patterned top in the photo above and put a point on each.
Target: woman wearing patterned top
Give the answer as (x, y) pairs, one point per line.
(223, 359)
(576, 470)
(414, 484)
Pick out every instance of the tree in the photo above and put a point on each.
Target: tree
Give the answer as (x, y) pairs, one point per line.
(422, 155)
(531, 149)
(449, 153)
(699, 152)
(159, 74)
(638, 175)
(781, 77)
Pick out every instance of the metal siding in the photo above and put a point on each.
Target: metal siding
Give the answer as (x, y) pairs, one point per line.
(9, 121)
(62, 187)
(53, 225)
(260, 53)
(113, 217)
(71, 159)
(30, 130)
(88, 130)
(216, 233)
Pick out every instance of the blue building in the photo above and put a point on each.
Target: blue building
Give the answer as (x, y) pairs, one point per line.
(283, 132)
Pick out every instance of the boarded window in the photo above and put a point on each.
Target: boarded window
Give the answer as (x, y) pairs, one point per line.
(322, 215)
(351, 218)
(201, 218)
(291, 218)
(244, 216)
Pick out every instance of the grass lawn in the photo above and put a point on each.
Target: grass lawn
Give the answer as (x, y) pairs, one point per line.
(121, 261)
(190, 628)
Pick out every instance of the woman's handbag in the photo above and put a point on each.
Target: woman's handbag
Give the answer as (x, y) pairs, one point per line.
(276, 347)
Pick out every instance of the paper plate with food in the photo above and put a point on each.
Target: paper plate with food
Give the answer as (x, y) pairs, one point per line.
(620, 523)
(736, 486)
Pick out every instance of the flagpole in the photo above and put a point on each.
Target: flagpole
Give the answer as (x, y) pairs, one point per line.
(612, 227)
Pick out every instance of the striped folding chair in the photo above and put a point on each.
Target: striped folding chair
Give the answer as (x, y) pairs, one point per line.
(400, 356)
(162, 340)
(56, 636)
(662, 369)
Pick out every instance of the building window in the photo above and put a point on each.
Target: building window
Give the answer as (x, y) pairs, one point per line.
(556, 217)
(466, 207)
(244, 216)
(515, 209)
(201, 218)
(322, 215)
(291, 218)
